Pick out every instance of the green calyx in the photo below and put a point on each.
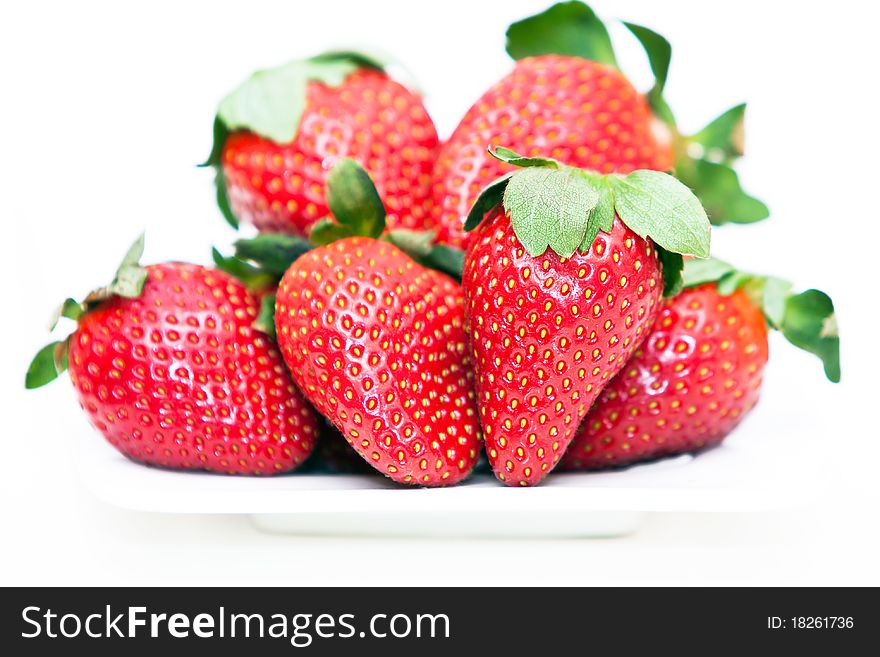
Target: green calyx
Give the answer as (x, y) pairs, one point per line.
(265, 322)
(222, 196)
(129, 281)
(274, 253)
(564, 208)
(354, 202)
(807, 320)
(704, 159)
(659, 53)
(260, 262)
(49, 363)
(358, 211)
(419, 245)
(271, 103)
(566, 28)
(253, 276)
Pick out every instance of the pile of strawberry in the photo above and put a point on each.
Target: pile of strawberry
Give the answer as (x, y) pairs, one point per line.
(538, 288)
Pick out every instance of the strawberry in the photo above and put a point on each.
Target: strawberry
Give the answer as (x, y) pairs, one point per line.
(577, 111)
(561, 283)
(376, 342)
(277, 135)
(167, 365)
(699, 372)
(566, 99)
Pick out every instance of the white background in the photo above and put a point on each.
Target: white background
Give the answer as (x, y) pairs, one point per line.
(106, 108)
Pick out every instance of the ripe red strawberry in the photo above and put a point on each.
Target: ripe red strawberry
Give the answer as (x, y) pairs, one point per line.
(376, 342)
(579, 112)
(168, 367)
(549, 327)
(278, 134)
(567, 99)
(699, 372)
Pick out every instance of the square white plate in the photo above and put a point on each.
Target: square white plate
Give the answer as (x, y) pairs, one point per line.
(770, 462)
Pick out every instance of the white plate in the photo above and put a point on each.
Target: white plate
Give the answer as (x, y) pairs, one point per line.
(771, 462)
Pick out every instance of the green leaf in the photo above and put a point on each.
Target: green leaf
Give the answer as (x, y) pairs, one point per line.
(223, 198)
(709, 270)
(134, 254)
(493, 193)
(272, 252)
(656, 205)
(601, 216)
(722, 140)
(71, 309)
(564, 208)
(550, 207)
(378, 60)
(737, 279)
(718, 188)
(326, 231)
(220, 134)
(415, 243)
(253, 277)
(511, 157)
(807, 319)
(775, 293)
(129, 280)
(360, 58)
(809, 323)
(661, 107)
(270, 103)
(566, 28)
(265, 321)
(49, 362)
(419, 245)
(447, 259)
(353, 199)
(672, 265)
(659, 52)
(491, 196)
(130, 277)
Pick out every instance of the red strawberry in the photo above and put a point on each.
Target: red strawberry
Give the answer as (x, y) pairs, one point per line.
(566, 99)
(376, 342)
(550, 327)
(579, 112)
(169, 369)
(699, 372)
(278, 134)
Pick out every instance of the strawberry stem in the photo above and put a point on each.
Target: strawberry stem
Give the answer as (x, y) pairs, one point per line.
(564, 208)
(128, 282)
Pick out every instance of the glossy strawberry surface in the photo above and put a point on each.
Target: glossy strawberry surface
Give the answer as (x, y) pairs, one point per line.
(579, 112)
(547, 334)
(179, 378)
(690, 383)
(376, 342)
(370, 118)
